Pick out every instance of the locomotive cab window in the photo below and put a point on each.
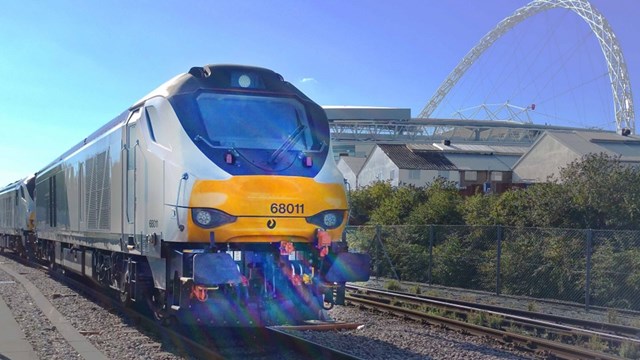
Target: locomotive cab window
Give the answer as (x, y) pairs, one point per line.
(158, 131)
(31, 186)
(242, 121)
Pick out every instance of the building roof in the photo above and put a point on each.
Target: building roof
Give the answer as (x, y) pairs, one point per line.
(472, 148)
(582, 143)
(366, 113)
(354, 163)
(404, 158)
(482, 162)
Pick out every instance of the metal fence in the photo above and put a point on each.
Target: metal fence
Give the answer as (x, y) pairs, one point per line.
(592, 267)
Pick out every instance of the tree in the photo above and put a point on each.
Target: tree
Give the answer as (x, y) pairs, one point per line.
(478, 209)
(395, 209)
(442, 205)
(604, 192)
(513, 209)
(363, 202)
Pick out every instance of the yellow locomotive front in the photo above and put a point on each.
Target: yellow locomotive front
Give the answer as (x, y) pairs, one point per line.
(266, 209)
(264, 229)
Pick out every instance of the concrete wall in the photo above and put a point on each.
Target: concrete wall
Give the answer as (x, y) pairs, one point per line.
(544, 160)
(348, 174)
(426, 177)
(378, 168)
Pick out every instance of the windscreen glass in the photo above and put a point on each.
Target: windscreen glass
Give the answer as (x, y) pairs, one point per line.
(255, 122)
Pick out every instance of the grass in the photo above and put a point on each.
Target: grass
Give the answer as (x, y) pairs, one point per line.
(416, 290)
(495, 321)
(613, 317)
(437, 312)
(393, 285)
(477, 318)
(432, 293)
(597, 344)
(629, 351)
(484, 319)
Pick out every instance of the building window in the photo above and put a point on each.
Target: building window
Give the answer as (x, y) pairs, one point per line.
(470, 175)
(496, 176)
(443, 174)
(414, 174)
(392, 174)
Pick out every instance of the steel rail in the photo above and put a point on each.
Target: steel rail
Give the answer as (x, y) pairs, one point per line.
(304, 346)
(560, 350)
(277, 335)
(610, 331)
(559, 330)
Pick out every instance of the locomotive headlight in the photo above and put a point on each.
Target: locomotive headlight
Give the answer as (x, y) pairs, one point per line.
(244, 80)
(330, 220)
(202, 217)
(327, 219)
(209, 218)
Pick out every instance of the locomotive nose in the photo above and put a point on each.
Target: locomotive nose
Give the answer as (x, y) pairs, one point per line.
(266, 206)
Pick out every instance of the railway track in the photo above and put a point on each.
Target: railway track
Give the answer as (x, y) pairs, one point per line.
(560, 336)
(203, 342)
(616, 329)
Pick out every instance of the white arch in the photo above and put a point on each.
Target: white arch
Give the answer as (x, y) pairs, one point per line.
(616, 66)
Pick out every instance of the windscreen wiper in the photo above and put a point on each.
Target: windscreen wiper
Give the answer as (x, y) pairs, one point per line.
(288, 144)
(198, 138)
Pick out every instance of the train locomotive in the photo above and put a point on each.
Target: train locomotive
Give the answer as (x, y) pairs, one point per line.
(214, 200)
(17, 216)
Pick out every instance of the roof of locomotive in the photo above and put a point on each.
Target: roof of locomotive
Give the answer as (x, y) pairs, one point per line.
(218, 77)
(10, 187)
(15, 185)
(198, 78)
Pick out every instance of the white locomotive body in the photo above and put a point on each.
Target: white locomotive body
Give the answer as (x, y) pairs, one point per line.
(214, 199)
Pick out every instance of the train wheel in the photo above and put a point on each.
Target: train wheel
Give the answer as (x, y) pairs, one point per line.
(158, 308)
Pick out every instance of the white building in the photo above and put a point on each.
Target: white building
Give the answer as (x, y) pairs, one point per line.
(471, 166)
(400, 165)
(557, 149)
(350, 167)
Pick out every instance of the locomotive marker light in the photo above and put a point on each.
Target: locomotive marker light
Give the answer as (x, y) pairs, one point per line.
(308, 161)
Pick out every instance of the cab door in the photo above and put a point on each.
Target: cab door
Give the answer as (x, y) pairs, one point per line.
(130, 179)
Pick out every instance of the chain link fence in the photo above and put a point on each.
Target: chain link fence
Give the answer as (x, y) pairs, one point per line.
(592, 267)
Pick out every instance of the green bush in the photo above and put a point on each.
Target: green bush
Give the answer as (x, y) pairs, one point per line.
(393, 285)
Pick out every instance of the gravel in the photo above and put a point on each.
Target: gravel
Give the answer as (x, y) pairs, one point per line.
(43, 336)
(381, 337)
(387, 337)
(112, 333)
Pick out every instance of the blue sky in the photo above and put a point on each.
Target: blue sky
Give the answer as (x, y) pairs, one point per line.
(69, 66)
